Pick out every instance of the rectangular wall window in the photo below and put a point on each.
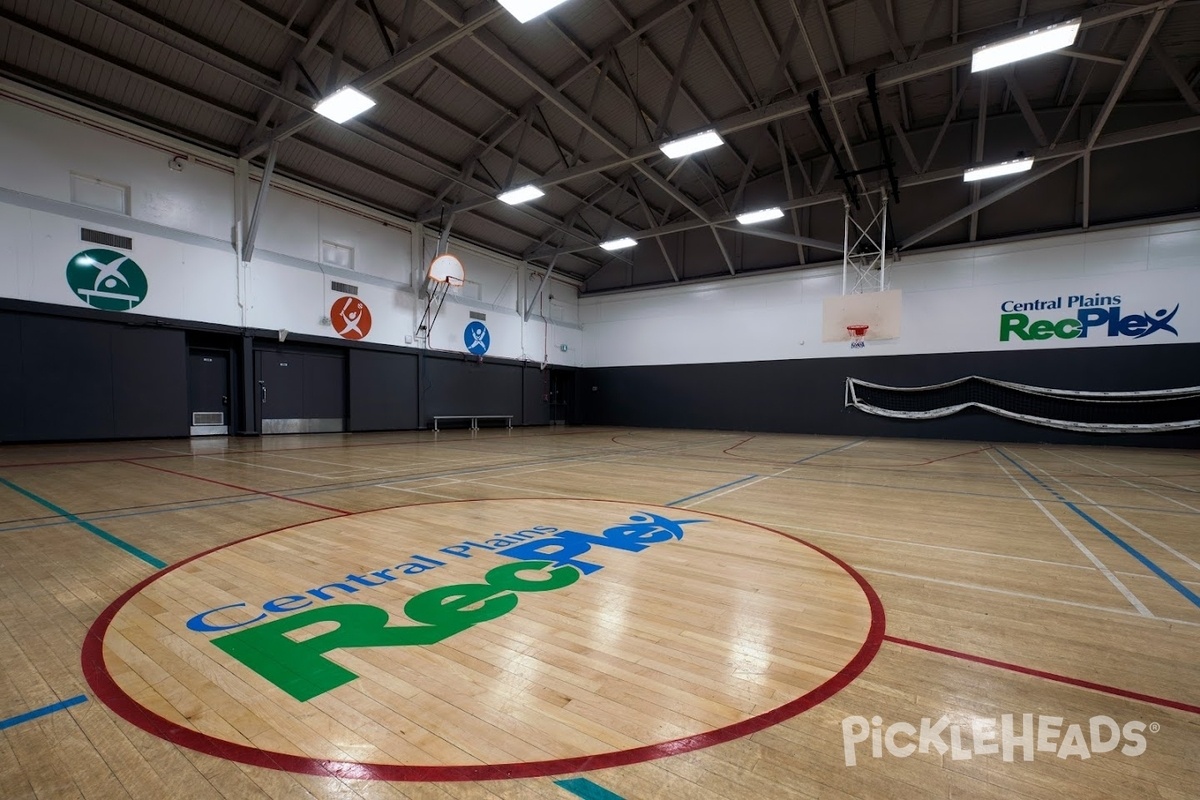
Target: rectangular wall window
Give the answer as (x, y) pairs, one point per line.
(97, 193)
(337, 255)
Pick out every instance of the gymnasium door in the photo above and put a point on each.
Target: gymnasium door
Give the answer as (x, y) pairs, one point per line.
(300, 392)
(562, 396)
(208, 392)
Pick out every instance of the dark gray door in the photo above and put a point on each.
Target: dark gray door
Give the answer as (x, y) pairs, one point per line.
(300, 392)
(562, 396)
(280, 398)
(208, 391)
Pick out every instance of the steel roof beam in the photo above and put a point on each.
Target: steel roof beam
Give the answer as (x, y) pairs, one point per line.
(982, 203)
(1071, 151)
(1018, 94)
(492, 43)
(1127, 72)
(407, 58)
(852, 86)
(1172, 69)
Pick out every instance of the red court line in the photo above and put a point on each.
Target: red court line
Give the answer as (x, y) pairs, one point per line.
(736, 446)
(1050, 676)
(235, 486)
(107, 690)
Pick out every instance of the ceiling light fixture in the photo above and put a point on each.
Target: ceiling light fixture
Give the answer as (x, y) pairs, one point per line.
(752, 217)
(618, 244)
(522, 194)
(996, 170)
(525, 10)
(344, 104)
(1027, 45)
(705, 140)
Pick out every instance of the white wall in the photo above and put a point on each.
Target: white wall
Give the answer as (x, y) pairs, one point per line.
(182, 224)
(951, 302)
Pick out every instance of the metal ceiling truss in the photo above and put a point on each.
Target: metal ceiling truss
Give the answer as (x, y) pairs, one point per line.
(318, 58)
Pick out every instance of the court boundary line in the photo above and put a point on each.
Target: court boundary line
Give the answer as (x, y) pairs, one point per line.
(137, 552)
(1101, 567)
(105, 688)
(588, 790)
(235, 486)
(709, 491)
(1050, 676)
(1148, 536)
(1167, 578)
(37, 713)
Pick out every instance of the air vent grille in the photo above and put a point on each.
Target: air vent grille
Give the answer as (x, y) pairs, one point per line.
(479, 315)
(108, 239)
(208, 417)
(344, 288)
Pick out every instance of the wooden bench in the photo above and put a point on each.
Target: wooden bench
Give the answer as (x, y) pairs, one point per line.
(474, 419)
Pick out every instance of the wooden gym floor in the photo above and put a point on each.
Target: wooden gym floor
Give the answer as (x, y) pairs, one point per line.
(602, 613)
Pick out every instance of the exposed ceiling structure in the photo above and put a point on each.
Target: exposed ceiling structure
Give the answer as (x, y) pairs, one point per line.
(471, 102)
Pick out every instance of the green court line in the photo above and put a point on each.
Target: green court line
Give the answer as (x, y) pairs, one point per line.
(87, 526)
(582, 787)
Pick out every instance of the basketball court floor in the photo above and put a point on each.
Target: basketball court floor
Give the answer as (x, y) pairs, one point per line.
(598, 613)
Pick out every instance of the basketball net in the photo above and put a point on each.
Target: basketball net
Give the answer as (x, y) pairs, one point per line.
(858, 336)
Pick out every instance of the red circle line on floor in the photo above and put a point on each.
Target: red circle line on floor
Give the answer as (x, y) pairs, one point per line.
(106, 689)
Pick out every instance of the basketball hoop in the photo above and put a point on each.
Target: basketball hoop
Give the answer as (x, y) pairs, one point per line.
(858, 336)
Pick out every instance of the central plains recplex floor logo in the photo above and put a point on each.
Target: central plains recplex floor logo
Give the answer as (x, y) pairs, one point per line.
(409, 643)
(301, 668)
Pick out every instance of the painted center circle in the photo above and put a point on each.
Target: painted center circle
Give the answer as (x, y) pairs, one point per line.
(490, 638)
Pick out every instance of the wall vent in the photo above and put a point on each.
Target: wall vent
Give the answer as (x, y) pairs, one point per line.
(479, 315)
(344, 288)
(208, 417)
(109, 239)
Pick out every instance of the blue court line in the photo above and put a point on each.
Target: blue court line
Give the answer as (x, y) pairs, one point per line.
(143, 512)
(1128, 548)
(41, 712)
(710, 491)
(582, 787)
(830, 450)
(87, 526)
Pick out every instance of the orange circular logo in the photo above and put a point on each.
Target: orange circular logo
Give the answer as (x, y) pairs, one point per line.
(350, 317)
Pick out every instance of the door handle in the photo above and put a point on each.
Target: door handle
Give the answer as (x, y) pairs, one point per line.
(262, 385)
(224, 399)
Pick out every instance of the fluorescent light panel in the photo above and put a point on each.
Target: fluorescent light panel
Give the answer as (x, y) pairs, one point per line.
(1027, 45)
(705, 140)
(344, 104)
(522, 194)
(752, 217)
(525, 10)
(995, 170)
(618, 244)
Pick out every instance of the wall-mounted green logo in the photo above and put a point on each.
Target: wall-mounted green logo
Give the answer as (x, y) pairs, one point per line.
(107, 280)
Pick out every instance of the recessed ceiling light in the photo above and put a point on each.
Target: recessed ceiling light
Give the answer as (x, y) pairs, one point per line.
(1027, 45)
(522, 194)
(705, 140)
(996, 170)
(751, 217)
(618, 244)
(344, 104)
(525, 10)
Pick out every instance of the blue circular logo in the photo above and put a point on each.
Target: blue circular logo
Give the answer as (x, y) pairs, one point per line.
(477, 338)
